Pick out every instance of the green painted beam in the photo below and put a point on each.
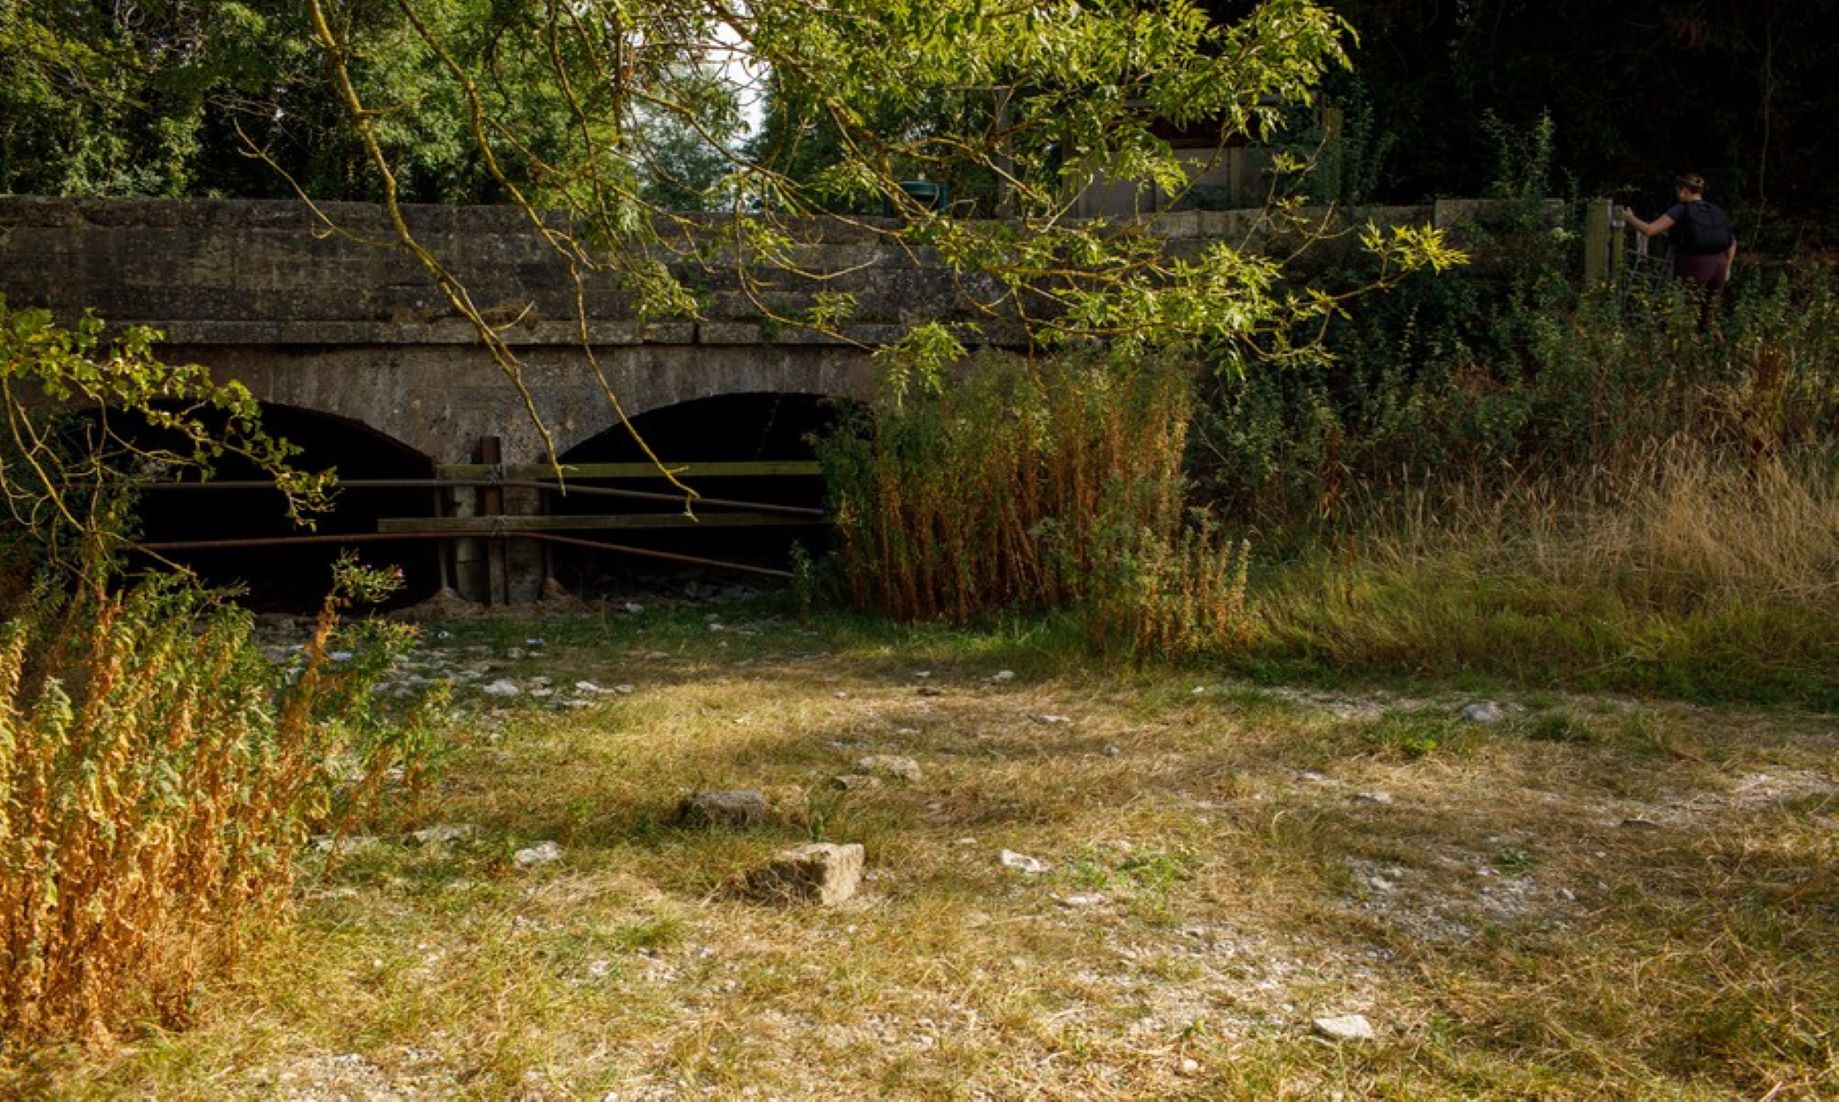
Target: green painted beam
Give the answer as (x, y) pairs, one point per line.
(486, 526)
(755, 468)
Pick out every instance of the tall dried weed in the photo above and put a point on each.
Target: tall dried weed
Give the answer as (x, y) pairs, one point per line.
(155, 787)
(1031, 485)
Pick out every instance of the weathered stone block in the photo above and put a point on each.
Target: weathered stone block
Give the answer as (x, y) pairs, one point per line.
(818, 872)
(736, 808)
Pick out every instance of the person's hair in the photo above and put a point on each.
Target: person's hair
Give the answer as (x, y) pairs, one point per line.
(1691, 181)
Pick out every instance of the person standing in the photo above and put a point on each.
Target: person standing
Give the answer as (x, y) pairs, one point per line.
(1704, 246)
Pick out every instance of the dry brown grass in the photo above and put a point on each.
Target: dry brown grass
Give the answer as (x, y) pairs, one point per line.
(1674, 572)
(1674, 521)
(1506, 932)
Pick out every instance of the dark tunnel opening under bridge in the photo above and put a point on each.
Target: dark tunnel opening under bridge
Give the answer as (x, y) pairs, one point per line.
(763, 499)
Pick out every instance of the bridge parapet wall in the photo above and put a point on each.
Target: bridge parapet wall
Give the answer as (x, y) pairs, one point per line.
(270, 272)
(264, 292)
(232, 272)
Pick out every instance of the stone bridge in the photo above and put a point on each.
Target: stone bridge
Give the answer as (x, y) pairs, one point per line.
(358, 354)
(260, 292)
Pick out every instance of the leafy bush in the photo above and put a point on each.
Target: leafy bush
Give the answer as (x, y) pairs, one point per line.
(66, 471)
(157, 779)
(1459, 378)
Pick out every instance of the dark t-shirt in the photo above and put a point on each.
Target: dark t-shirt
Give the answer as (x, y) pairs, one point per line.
(1710, 218)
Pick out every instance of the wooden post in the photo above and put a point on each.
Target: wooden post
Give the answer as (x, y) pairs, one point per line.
(1334, 121)
(443, 548)
(491, 504)
(1618, 243)
(1598, 214)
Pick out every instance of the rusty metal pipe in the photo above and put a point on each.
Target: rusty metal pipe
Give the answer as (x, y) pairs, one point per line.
(520, 483)
(396, 537)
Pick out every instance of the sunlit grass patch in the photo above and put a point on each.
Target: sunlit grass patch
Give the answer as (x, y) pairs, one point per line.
(1220, 868)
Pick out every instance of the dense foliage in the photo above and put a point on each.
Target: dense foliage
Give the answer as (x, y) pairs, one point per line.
(1482, 378)
(1739, 90)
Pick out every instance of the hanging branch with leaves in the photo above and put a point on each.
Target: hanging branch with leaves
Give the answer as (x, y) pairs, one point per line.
(600, 117)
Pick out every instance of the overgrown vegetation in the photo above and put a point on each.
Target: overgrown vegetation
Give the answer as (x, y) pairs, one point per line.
(1484, 379)
(1034, 485)
(157, 779)
(1495, 474)
(1502, 474)
(157, 775)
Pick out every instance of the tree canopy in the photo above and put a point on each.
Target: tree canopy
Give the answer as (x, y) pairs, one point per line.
(1637, 91)
(604, 118)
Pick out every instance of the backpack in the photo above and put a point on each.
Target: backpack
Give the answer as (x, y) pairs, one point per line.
(1704, 229)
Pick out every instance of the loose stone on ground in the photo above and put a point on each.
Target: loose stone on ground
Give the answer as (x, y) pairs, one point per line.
(723, 808)
(817, 872)
(1021, 862)
(1345, 1027)
(543, 853)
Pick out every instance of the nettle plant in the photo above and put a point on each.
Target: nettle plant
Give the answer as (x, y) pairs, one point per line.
(604, 119)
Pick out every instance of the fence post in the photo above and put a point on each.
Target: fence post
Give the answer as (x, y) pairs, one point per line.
(1599, 265)
(491, 504)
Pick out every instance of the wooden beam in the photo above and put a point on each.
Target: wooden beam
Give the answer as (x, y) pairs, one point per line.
(751, 469)
(486, 526)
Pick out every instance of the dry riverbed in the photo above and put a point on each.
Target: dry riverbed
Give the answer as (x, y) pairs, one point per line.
(1090, 882)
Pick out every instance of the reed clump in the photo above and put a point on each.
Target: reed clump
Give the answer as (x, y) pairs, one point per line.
(157, 780)
(1036, 485)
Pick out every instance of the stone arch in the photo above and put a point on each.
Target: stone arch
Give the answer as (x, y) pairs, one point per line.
(735, 427)
(295, 578)
(442, 398)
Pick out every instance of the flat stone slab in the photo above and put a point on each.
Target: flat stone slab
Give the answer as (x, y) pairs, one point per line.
(817, 872)
(1345, 1027)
